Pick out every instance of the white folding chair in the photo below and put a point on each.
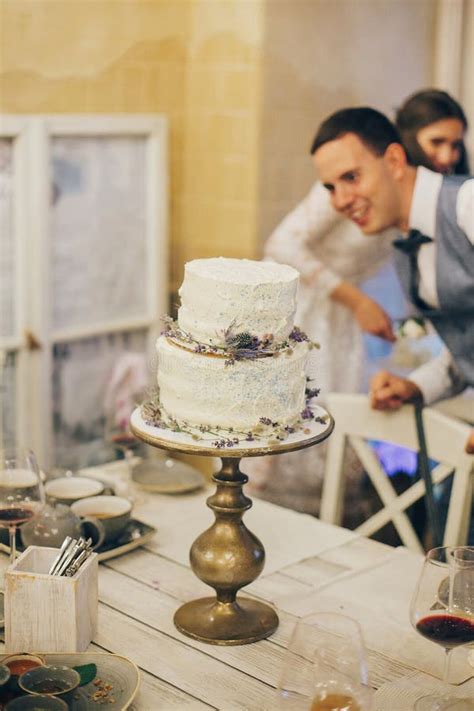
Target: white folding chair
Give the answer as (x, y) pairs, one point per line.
(357, 422)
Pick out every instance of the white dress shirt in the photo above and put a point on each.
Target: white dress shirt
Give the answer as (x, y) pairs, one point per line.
(328, 249)
(438, 378)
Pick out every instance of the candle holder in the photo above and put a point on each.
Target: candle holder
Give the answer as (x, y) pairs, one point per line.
(227, 556)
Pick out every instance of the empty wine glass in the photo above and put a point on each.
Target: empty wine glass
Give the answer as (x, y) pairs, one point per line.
(442, 609)
(123, 441)
(325, 666)
(21, 491)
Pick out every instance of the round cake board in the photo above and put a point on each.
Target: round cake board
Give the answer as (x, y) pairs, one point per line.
(313, 433)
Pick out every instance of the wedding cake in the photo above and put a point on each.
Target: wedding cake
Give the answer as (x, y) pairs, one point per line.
(233, 365)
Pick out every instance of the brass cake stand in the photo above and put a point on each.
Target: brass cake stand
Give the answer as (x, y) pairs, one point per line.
(227, 556)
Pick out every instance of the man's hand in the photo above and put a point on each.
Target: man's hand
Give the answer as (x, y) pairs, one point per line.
(470, 443)
(373, 319)
(389, 392)
(369, 315)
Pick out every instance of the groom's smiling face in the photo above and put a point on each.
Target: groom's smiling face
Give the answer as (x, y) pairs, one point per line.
(363, 185)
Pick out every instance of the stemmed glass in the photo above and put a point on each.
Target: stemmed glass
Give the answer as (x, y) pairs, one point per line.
(442, 608)
(21, 491)
(119, 435)
(325, 666)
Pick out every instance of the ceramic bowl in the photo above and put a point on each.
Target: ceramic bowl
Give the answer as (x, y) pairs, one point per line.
(50, 680)
(18, 664)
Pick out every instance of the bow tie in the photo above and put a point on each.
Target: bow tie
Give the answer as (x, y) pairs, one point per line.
(412, 243)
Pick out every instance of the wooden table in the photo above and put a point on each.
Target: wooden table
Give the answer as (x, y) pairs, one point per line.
(140, 591)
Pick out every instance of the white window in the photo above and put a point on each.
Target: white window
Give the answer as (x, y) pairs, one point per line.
(83, 270)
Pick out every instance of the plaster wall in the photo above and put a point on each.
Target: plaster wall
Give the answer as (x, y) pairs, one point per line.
(320, 56)
(196, 61)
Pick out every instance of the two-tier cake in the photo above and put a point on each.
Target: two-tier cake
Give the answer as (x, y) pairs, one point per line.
(233, 364)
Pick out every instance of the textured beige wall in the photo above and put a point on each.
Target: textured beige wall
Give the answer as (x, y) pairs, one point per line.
(243, 82)
(323, 55)
(197, 61)
(218, 203)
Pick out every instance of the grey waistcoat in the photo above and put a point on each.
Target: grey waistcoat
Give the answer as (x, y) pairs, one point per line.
(454, 320)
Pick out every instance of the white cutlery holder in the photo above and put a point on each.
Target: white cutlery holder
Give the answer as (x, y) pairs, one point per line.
(48, 613)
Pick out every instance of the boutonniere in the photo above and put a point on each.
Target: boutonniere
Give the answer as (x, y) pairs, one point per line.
(414, 327)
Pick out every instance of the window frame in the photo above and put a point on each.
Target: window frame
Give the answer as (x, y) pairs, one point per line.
(32, 140)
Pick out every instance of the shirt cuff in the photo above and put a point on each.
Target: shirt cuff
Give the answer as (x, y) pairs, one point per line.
(438, 379)
(321, 279)
(465, 209)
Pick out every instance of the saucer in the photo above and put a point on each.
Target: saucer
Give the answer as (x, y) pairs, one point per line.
(135, 534)
(167, 476)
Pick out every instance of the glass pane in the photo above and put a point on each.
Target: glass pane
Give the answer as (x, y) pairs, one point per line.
(98, 229)
(7, 396)
(7, 246)
(83, 374)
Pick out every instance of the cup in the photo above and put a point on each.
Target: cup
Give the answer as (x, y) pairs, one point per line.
(325, 666)
(113, 512)
(66, 490)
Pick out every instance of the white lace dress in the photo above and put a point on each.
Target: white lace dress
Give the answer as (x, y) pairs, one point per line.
(326, 249)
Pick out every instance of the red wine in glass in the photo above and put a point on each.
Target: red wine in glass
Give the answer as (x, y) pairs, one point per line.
(444, 579)
(446, 629)
(21, 491)
(15, 516)
(124, 440)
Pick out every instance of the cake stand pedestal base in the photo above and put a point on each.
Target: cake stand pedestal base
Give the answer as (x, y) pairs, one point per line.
(240, 622)
(227, 556)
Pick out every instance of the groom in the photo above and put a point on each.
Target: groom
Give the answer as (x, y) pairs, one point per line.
(361, 162)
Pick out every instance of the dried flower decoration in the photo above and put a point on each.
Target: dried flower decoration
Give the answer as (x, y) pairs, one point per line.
(414, 327)
(237, 345)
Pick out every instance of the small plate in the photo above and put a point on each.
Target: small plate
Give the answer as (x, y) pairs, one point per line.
(167, 476)
(121, 673)
(135, 534)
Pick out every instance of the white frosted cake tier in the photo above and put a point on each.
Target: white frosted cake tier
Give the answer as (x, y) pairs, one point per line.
(247, 296)
(202, 390)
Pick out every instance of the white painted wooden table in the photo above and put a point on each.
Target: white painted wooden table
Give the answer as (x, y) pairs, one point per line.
(310, 566)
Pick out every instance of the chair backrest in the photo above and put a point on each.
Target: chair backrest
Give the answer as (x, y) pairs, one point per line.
(357, 422)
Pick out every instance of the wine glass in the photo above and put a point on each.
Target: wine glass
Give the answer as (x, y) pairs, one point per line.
(442, 608)
(21, 491)
(325, 666)
(123, 441)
